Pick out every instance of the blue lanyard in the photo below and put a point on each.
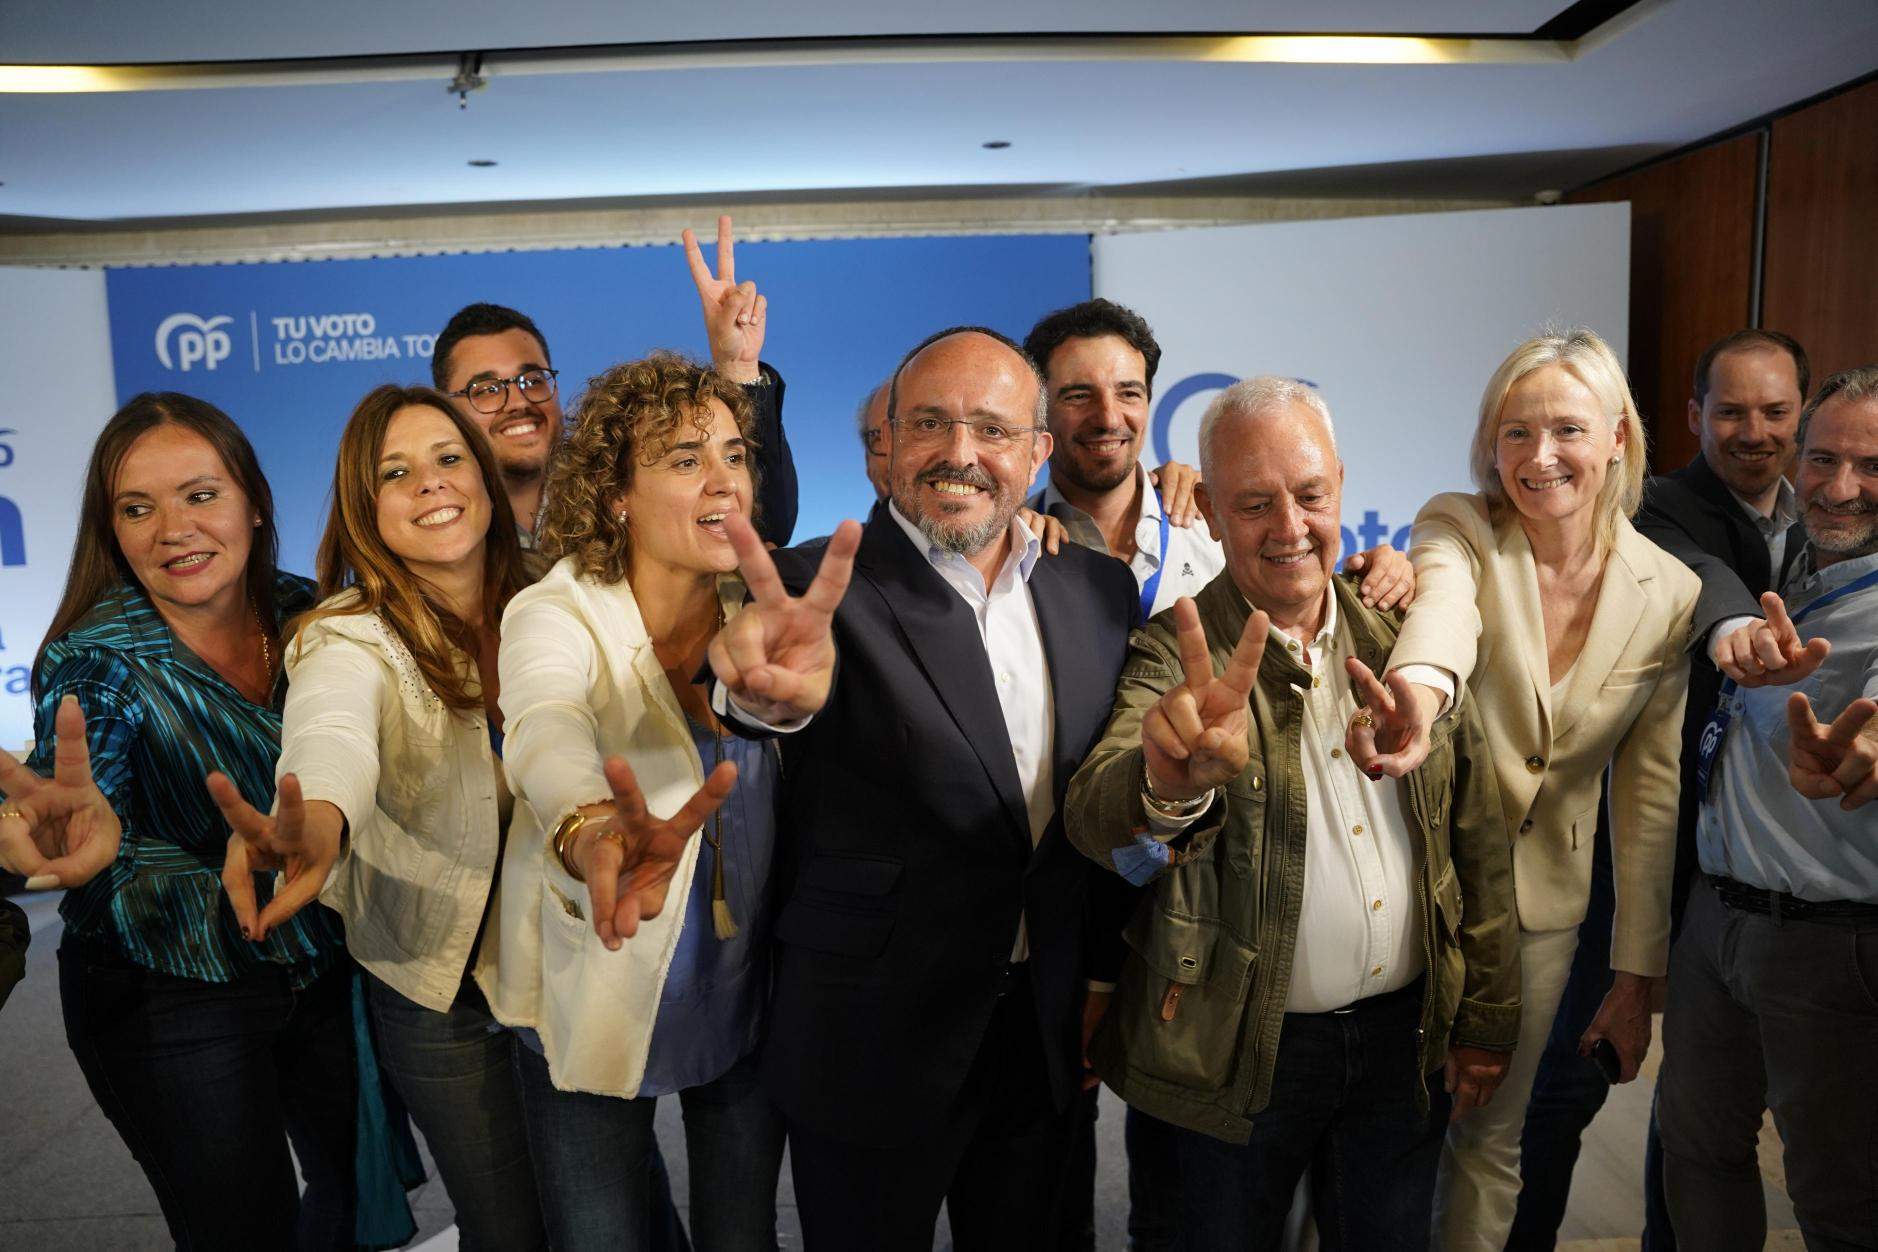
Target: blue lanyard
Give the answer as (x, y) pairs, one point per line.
(1710, 745)
(1151, 587)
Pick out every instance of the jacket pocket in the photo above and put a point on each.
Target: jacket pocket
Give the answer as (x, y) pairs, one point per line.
(845, 905)
(1449, 976)
(1183, 997)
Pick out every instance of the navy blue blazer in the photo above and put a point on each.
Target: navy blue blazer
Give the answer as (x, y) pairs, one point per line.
(905, 854)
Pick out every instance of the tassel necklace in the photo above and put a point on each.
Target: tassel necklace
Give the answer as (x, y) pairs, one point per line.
(723, 923)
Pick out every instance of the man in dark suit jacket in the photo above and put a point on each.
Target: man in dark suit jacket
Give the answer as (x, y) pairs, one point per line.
(1727, 516)
(937, 933)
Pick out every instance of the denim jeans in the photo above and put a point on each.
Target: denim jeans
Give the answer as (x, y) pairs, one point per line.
(593, 1159)
(1343, 1108)
(455, 1071)
(208, 1082)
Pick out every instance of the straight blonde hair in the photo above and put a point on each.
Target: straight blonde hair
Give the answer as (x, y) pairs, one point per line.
(1590, 360)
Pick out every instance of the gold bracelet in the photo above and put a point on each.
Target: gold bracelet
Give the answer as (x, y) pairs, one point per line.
(564, 839)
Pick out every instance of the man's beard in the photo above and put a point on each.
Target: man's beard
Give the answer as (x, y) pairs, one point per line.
(1090, 479)
(1855, 532)
(964, 540)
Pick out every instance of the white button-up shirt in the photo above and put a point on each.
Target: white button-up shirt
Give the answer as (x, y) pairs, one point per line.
(1359, 931)
(1013, 641)
(1192, 558)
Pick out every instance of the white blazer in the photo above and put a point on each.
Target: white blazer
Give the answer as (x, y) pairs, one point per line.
(580, 683)
(1477, 615)
(417, 783)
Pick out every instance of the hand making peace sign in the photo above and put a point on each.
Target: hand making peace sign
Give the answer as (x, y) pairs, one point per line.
(735, 316)
(58, 831)
(776, 657)
(302, 840)
(1194, 738)
(1836, 760)
(1389, 733)
(628, 860)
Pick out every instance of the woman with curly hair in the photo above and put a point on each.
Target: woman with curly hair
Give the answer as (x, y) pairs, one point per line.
(391, 799)
(613, 744)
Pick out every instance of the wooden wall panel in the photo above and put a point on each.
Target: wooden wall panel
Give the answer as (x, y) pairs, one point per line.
(1821, 267)
(1691, 275)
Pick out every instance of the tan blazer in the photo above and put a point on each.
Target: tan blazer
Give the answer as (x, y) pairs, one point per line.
(1477, 614)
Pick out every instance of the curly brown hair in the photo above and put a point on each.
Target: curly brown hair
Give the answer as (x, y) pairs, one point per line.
(628, 416)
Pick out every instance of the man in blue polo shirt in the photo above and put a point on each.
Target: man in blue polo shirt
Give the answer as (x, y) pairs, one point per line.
(1773, 986)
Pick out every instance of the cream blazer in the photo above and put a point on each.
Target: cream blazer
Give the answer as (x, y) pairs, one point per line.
(1477, 614)
(580, 683)
(417, 783)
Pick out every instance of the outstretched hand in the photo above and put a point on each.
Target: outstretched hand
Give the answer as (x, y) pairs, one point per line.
(1840, 759)
(303, 847)
(628, 860)
(1389, 733)
(58, 831)
(776, 657)
(1769, 653)
(1194, 738)
(735, 316)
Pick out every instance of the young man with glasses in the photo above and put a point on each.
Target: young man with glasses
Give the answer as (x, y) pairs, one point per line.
(493, 363)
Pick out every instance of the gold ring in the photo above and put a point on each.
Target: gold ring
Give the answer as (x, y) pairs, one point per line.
(11, 810)
(1364, 719)
(612, 836)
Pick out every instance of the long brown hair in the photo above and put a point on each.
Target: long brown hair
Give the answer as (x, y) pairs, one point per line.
(98, 563)
(353, 554)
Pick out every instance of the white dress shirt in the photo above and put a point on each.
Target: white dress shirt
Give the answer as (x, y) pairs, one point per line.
(1013, 643)
(1773, 531)
(1359, 931)
(1192, 559)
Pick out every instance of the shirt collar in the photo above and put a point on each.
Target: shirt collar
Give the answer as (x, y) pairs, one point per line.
(1835, 575)
(1024, 545)
(1150, 498)
(1786, 507)
(1326, 633)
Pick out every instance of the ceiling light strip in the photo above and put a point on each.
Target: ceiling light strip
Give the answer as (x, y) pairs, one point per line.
(791, 53)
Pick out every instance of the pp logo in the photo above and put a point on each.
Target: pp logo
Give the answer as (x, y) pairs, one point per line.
(197, 341)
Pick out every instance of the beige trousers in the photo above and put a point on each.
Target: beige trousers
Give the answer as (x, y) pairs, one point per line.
(1477, 1190)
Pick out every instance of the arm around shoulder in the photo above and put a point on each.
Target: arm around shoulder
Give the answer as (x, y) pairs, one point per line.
(1451, 539)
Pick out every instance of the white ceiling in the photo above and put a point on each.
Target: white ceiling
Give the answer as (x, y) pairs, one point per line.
(1684, 70)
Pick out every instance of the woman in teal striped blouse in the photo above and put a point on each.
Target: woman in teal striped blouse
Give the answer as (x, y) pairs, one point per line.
(208, 1052)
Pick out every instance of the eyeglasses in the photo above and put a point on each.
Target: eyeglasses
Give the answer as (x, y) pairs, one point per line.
(491, 395)
(929, 431)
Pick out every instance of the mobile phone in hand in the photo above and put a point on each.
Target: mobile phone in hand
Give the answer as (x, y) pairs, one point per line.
(1604, 1055)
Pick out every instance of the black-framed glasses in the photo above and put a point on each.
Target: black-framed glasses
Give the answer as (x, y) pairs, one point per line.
(491, 395)
(928, 429)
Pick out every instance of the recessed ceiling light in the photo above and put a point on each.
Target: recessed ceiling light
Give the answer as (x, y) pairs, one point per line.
(482, 163)
(995, 144)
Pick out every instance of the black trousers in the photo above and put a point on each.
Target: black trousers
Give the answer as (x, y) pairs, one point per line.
(995, 1160)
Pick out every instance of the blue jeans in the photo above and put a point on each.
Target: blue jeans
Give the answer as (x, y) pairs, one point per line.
(1343, 1107)
(208, 1082)
(455, 1071)
(593, 1158)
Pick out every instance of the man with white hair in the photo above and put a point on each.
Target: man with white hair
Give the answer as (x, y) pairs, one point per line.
(1304, 992)
(1773, 979)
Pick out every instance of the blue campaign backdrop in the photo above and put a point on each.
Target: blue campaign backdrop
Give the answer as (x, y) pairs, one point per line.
(287, 349)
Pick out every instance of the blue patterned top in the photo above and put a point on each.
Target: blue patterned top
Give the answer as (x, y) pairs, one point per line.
(158, 720)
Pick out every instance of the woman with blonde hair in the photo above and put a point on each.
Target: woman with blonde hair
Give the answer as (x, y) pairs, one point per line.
(1570, 629)
(621, 996)
(391, 797)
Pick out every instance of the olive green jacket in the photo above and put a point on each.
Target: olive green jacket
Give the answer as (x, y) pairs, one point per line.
(1192, 1033)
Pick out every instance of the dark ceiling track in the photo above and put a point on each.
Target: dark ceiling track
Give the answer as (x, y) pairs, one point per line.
(1581, 19)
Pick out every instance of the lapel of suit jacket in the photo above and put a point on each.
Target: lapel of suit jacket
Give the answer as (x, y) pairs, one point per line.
(1079, 699)
(1519, 578)
(1622, 599)
(942, 634)
(1749, 548)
